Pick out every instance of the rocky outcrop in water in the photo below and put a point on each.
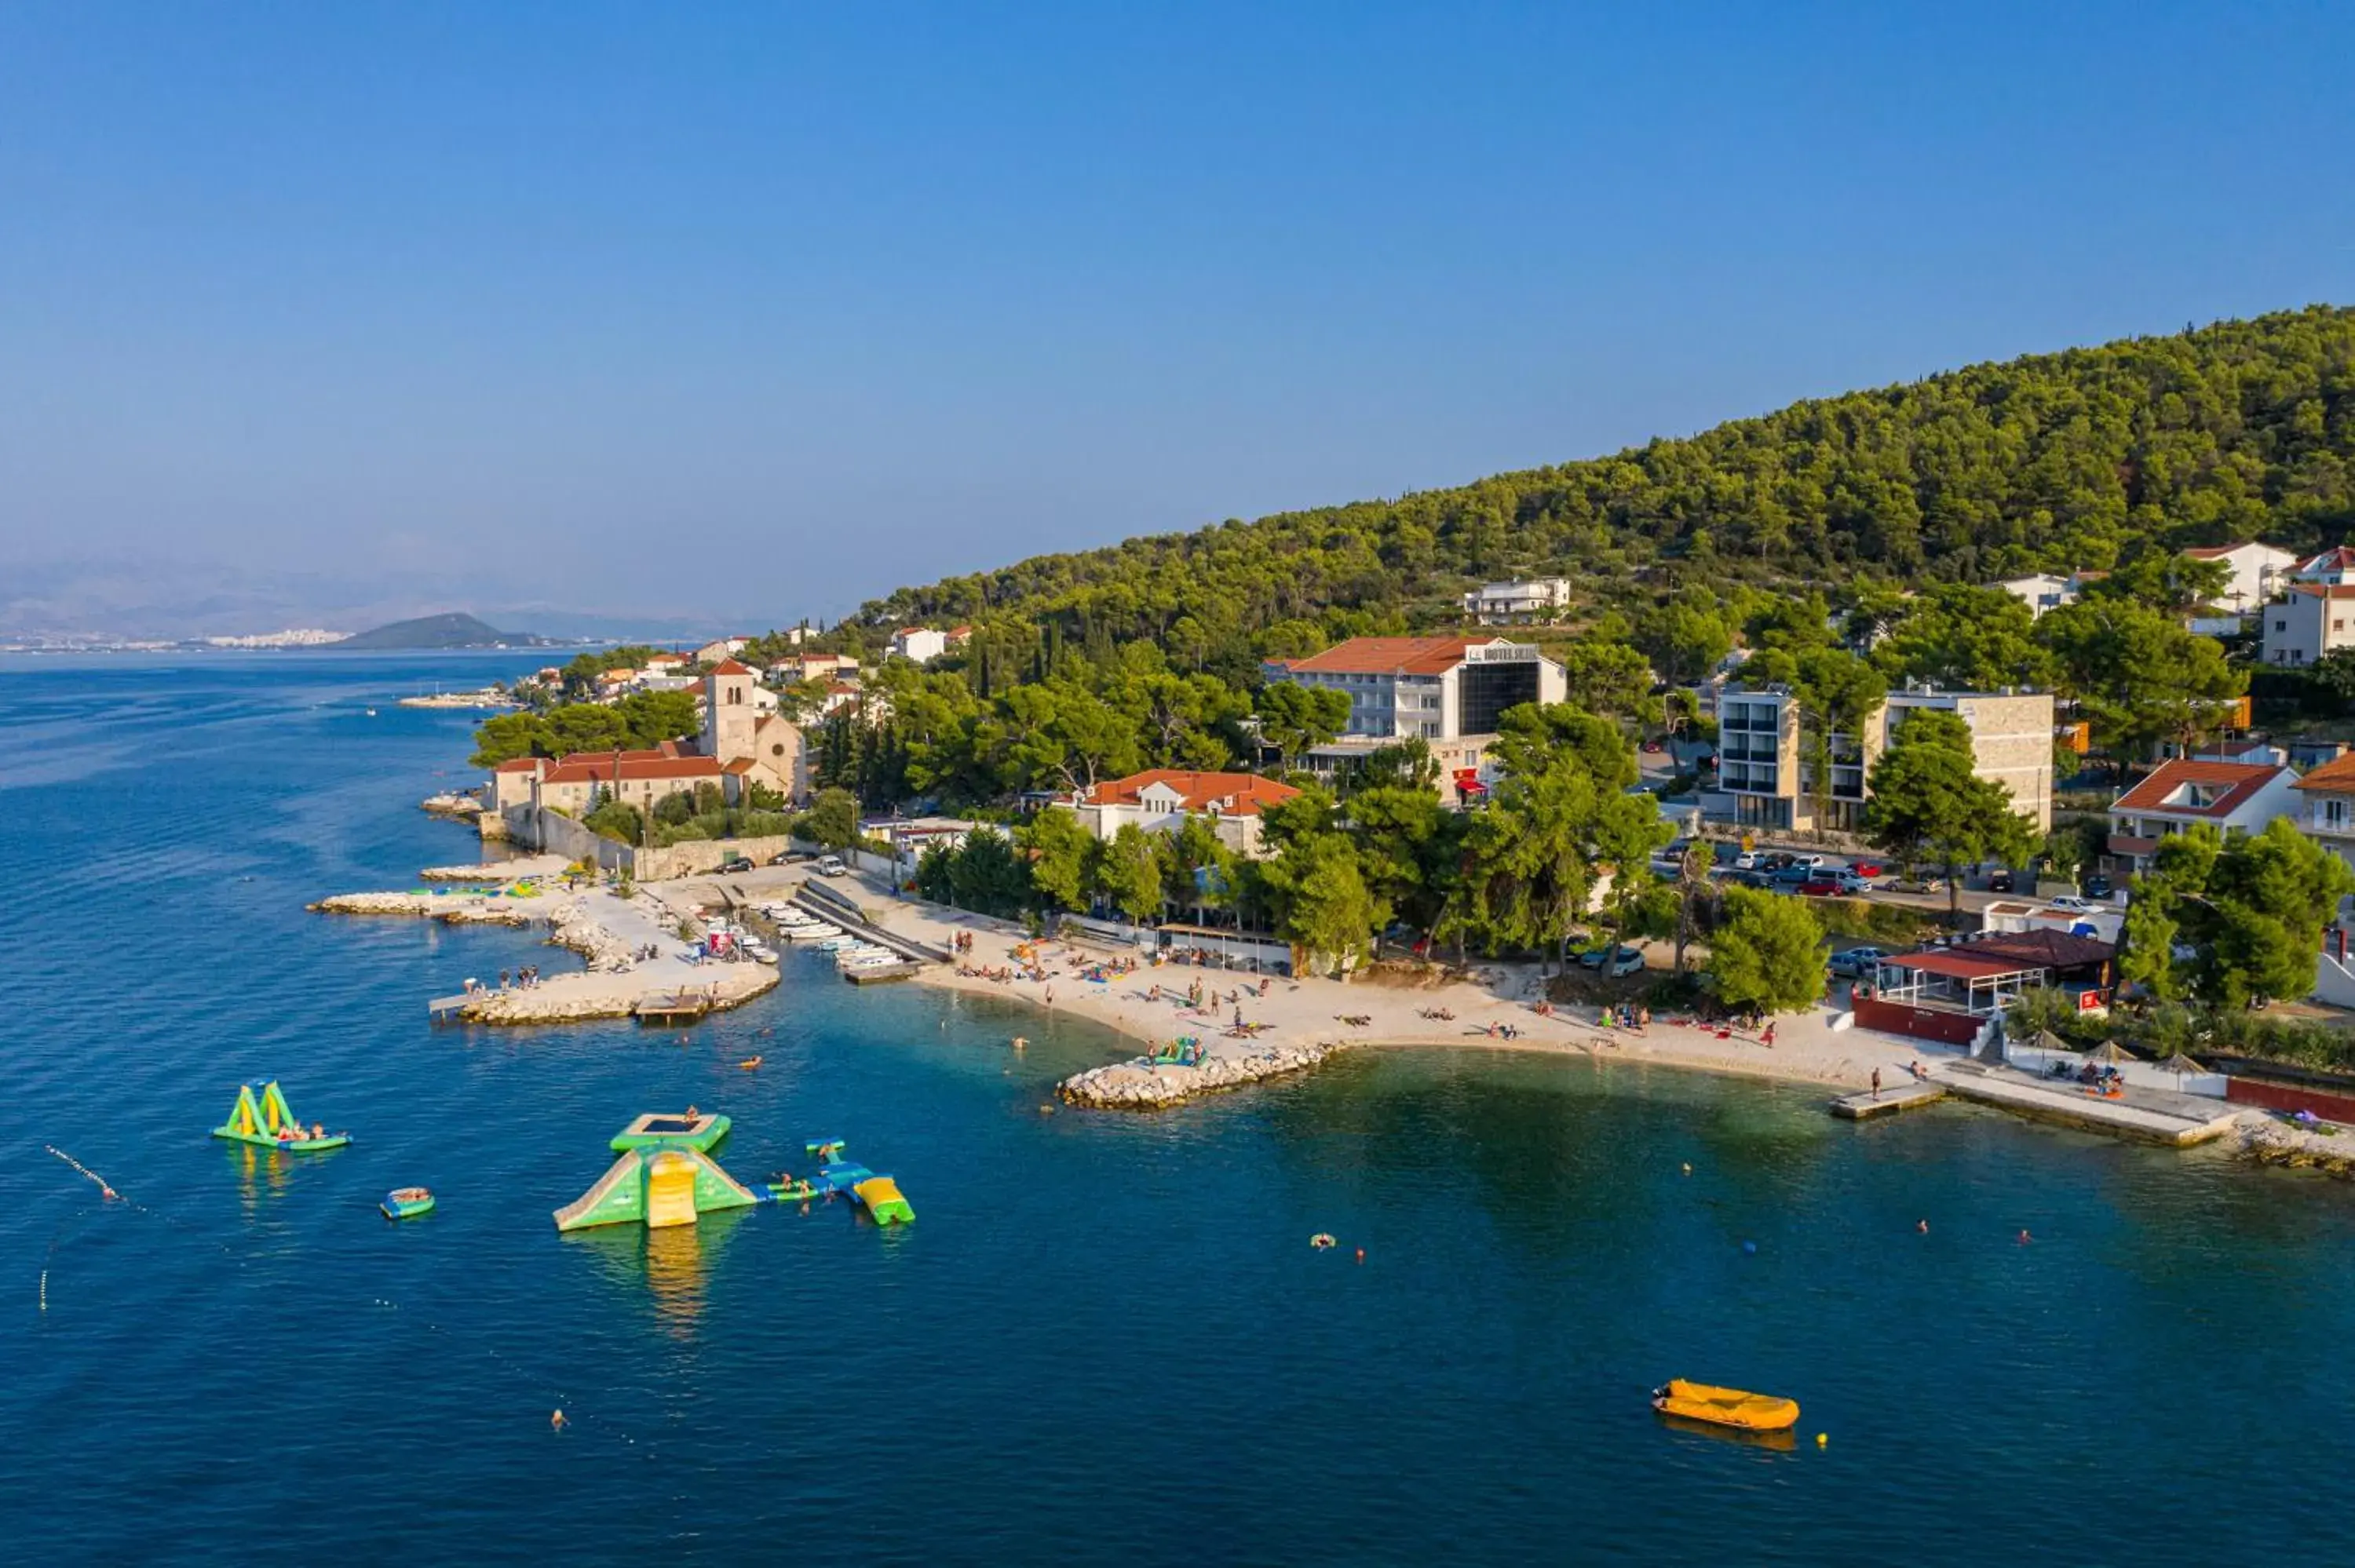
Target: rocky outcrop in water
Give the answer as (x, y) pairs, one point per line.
(1139, 1084)
(453, 911)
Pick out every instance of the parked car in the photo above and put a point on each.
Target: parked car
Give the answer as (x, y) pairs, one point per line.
(1613, 962)
(1749, 859)
(2098, 886)
(1866, 867)
(2000, 881)
(1791, 878)
(1852, 962)
(831, 865)
(1914, 884)
(2072, 903)
(1833, 884)
(733, 865)
(1810, 862)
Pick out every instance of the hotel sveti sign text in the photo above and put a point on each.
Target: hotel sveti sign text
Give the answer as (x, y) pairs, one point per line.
(1501, 653)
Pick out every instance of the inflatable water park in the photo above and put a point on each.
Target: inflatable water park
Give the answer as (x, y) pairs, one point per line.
(879, 1195)
(262, 1117)
(666, 1176)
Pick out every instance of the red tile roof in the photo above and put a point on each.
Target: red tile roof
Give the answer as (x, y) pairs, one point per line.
(1230, 794)
(2338, 559)
(2336, 774)
(518, 765)
(1390, 655)
(2216, 551)
(2325, 591)
(600, 768)
(1956, 964)
(730, 667)
(2045, 947)
(2235, 782)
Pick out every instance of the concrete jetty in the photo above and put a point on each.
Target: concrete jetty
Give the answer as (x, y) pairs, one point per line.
(2151, 1116)
(1867, 1104)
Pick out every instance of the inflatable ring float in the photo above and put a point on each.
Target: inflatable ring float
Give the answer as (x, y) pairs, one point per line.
(1320, 1241)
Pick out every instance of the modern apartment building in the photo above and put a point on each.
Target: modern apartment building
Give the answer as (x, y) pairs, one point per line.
(1437, 688)
(1503, 604)
(1764, 763)
(2309, 620)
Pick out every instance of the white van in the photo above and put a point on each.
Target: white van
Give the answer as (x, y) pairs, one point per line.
(831, 865)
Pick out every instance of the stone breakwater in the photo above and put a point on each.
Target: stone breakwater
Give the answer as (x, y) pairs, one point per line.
(1139, 1084)
(452, 911)
(2271, 1144)
(574, 999)
(457, 803)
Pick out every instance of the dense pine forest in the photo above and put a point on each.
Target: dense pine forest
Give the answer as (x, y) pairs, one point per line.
(2052, 461)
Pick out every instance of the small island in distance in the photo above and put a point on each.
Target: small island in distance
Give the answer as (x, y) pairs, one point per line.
(455, 630)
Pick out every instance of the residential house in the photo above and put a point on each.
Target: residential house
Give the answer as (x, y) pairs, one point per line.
(1437, 688)
(1467, 769)
(2311, 619)
(1504, 604)
(1160, 799)
(2258, 573)
(2231, 796)
(615, 684)
(2326, 806)
(2334, 567)
(720, 650)
(920, 644)
(666, 663)
(2041, 591)
(958, 636)
(1764, 764)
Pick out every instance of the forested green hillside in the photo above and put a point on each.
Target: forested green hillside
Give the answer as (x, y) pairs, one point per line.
(2055, 461)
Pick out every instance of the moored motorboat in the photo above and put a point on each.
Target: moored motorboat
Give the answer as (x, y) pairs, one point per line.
(1734, 1407)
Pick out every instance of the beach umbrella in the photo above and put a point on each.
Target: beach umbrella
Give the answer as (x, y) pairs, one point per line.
(2109, 1051)
(2179, 1063)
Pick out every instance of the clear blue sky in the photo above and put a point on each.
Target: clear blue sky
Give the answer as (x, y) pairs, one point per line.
(813, 299)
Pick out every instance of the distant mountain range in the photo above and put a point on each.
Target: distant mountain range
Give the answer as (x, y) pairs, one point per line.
(453, 630)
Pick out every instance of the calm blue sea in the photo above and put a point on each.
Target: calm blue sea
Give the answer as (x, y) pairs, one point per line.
(1104, 1340)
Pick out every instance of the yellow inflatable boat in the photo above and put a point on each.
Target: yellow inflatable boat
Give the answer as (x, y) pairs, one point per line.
(1725, 1406)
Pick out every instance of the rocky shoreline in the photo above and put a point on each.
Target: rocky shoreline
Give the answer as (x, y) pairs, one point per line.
(1140, 1085)
(459, 803)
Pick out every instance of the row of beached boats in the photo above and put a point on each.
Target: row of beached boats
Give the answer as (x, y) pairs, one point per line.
(852, 954)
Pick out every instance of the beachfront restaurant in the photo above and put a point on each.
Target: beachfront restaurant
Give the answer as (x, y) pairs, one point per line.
(1215, 947)
(1949, 993)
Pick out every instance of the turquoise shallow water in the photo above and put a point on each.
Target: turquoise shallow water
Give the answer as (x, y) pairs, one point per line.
(1104, 1339)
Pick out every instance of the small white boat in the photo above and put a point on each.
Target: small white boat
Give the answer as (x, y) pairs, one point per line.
(759, 954)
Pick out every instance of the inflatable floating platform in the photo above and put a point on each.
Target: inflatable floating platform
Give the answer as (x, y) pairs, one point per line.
(656, 1187)
(879, 1195)
(262, 1117)
(406, 1203)
(700, 1131)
